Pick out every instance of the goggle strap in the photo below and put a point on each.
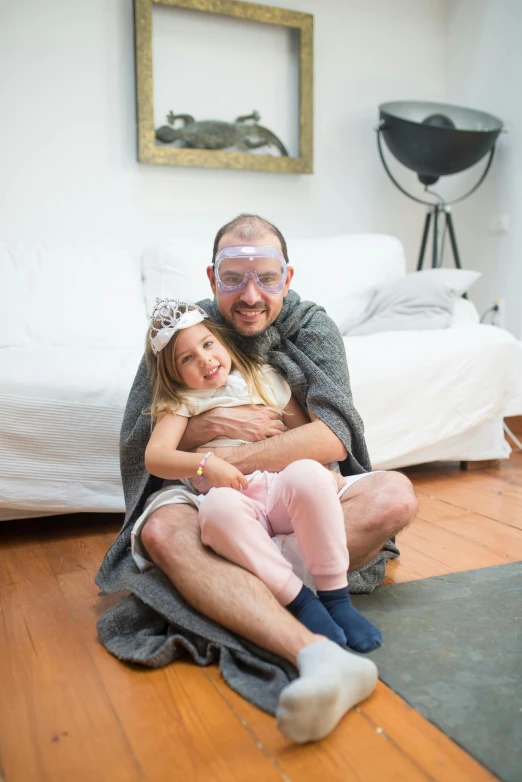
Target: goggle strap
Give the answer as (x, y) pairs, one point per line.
(249, 251)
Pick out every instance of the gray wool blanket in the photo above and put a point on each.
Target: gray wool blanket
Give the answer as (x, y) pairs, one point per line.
(154, 625)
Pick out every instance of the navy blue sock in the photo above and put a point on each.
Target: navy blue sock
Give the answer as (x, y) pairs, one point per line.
(361, 635)
(311, 612)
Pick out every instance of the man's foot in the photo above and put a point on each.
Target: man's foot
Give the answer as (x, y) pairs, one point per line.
(360, 634)
(312, 614)
(331, 682)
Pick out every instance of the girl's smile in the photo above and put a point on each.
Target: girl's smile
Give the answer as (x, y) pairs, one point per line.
(212, 374)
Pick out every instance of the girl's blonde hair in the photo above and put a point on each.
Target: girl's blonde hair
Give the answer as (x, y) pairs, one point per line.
(167, 387)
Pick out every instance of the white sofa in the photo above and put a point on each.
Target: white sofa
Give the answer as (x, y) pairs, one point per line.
(72, 328)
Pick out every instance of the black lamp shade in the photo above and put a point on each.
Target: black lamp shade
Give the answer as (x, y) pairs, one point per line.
(436, 139)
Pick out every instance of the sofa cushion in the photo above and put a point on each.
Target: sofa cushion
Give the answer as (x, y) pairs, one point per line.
(334, 271)
(338, 271)
(66, 295)
(176, 269)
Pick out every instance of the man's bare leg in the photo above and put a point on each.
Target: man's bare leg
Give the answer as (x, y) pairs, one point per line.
(375, 509)
(331, 680)
(227, 594)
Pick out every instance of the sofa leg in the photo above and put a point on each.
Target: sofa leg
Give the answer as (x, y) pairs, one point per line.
(486, 464)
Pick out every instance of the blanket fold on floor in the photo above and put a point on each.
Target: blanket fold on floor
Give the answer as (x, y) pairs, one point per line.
(155, 625)
(133, 631)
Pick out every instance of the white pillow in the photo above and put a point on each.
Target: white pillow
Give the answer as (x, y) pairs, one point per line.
(336, 269)
(464, 314)
(67, 295)
(419, 300)
(458, 280)
(176, 269)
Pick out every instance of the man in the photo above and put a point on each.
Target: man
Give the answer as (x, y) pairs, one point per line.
(304, 344)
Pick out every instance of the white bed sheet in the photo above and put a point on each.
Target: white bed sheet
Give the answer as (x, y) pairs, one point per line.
(61, 412)
(429, 395)
(423, 396)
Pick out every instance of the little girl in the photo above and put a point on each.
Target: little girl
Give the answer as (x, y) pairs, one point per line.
(194, 366)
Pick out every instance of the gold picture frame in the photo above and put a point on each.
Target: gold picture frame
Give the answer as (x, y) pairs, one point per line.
(150, 152)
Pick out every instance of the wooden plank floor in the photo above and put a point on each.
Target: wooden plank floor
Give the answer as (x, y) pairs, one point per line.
(70, 711)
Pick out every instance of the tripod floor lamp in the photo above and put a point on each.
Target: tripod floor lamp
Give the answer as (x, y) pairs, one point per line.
(434, 140)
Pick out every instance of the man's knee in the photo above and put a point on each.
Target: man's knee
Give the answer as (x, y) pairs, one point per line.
(167, 524)
(389, 499)
(399, 500)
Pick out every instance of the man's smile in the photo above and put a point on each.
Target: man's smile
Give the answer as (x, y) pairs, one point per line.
(249, 313)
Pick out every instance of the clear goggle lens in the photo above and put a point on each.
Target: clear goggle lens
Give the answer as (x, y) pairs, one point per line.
(235, 265)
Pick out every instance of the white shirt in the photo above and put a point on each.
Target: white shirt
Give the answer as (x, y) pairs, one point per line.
(233, 394)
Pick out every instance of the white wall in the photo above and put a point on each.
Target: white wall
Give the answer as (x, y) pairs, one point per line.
(68, 153)
(484, 71)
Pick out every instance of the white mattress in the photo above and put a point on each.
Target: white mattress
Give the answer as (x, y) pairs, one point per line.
(423, 396)
(430, 395)
(59, 428)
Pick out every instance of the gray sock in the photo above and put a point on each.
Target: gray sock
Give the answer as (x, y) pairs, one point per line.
(331, 682)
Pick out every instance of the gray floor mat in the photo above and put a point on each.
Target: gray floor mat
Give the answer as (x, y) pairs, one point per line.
(452, 648)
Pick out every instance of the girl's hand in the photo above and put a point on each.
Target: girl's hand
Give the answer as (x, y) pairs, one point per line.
(217, 472)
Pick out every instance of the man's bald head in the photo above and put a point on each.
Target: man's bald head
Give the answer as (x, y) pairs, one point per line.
(249, 228)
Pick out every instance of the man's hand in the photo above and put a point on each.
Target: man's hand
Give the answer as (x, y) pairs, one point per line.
(246, 422)
(252, 422)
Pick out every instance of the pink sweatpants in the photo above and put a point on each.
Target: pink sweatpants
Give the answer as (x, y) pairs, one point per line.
(239, 526)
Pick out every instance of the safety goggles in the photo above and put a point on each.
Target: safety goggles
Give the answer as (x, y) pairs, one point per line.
(235, 265)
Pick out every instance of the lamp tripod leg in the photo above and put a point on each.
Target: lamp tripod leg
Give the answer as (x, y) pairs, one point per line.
(453, 240)
(424, 239)
(435, 255)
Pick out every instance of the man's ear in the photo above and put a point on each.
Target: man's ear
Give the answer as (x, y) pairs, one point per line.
(289, 275)
(212, 278)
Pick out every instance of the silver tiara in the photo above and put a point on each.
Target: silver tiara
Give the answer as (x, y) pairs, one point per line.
(169, 316)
